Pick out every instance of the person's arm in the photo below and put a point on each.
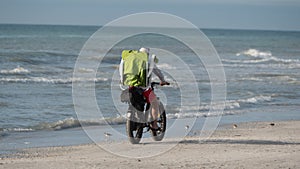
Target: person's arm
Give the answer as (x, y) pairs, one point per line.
(158, 73)
(121, 71)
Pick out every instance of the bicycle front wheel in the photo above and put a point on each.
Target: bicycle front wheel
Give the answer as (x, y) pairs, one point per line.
(162, 124)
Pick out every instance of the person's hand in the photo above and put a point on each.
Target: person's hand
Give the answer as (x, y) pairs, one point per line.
(164, 83)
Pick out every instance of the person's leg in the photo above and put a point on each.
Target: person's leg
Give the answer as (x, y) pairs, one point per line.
(152, 99)
(154, 109)
(155, 112)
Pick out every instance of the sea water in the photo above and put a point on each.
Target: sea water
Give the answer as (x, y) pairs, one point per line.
(36, 74)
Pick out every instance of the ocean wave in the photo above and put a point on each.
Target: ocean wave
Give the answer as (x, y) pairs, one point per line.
(3, 131)
(245, 61)
(86, 70)
(255, 53)
(165, 66)
(231, 104)
(250, 79)
(49, 80)
(234, 104)
(230, 107)
(35, 56)
(256, 99)
(267, 77)
(17, 70)
(58, 125)
(261, 57)
(73, 123)
(67, 124)
(201, 114)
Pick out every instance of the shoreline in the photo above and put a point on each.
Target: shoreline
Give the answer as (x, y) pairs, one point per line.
(242, 145)
(10, 143)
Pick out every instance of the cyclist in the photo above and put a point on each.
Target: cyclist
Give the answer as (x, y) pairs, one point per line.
(133, 72)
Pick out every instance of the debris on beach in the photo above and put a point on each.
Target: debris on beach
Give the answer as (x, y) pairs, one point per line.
(234, 126)
(106, 134)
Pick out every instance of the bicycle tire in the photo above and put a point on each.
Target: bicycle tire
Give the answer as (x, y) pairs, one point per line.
(162, 123)
(134, 129)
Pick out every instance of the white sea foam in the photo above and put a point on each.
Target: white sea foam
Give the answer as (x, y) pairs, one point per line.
(231, 107)
(256, 99)
(73, 123)
(257, 56)
(86, 70)
(255, 53)
(22, 129)
(18, 70)
(286, 78)
(16, 129)
(263, 56)
(246, 61)
(165, 66)
(251, 79)
(274, 78)
(202, 114)
(49, 80)
(68, 123)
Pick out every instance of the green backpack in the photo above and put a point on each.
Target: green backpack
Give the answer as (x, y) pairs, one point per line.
(135, 68)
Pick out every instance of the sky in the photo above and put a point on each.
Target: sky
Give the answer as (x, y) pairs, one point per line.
(220, 14)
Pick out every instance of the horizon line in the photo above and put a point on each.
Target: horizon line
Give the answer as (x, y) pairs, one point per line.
(204, 28)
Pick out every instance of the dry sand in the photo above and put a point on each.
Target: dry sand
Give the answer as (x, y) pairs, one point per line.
(247, 145)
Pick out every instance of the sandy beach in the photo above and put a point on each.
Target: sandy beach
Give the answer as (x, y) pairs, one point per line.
(246, 145)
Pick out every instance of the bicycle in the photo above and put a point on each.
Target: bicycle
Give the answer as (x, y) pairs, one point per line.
(137, 120)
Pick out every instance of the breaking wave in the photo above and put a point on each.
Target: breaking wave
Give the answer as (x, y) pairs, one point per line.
(67, 124)
(73, 123)
(255, 53)
(18, 70)
(165, 66)
(231, 107)
(261, 57)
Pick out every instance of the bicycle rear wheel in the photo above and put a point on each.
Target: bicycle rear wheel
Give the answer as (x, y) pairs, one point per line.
(162, 124)
(134, 131)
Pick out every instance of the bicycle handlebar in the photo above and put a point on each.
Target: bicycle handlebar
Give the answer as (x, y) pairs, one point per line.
(157, 83)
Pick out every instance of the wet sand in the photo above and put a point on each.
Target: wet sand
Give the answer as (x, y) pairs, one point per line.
(246, 145)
